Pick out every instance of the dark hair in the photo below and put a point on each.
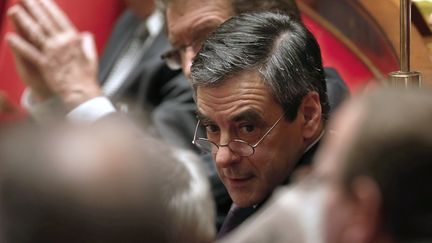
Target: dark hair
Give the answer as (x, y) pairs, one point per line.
(280, 48)
(393, 146)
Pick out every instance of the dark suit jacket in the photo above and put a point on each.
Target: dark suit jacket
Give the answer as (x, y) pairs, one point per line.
(337, 90)
(164, 95)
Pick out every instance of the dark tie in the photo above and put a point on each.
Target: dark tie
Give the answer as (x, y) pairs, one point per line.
(235, 217)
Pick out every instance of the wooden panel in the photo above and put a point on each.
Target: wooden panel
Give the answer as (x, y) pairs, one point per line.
(373, 26)
(338, 53)
(356, 25)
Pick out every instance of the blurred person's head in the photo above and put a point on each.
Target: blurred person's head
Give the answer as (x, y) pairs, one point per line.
(102, 184)
(259, 78)
(377, 168)
(189, 22)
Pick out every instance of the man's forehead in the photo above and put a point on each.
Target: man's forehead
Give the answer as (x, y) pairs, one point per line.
(248, 114)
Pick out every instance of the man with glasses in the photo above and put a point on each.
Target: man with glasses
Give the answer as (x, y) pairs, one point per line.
(261, 97)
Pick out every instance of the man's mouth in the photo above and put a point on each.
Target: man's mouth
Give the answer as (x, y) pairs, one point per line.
(239, 181)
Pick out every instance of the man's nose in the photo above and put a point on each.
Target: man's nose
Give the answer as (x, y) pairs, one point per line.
(187, 58)
(225, 157)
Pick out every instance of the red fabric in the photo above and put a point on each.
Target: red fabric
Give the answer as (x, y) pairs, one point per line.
(335, 54)
(96, 16)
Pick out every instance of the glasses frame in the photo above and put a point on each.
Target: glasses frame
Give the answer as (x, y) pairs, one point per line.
(171, 59)
(235, 140)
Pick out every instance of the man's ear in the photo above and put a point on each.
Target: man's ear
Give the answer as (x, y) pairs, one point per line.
(365, 223)
(311, 113)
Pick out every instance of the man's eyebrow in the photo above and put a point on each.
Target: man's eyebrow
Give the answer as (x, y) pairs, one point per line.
(248, 115)
(202, 118)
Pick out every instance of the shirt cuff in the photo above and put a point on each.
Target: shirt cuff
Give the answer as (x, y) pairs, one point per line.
(91, 110)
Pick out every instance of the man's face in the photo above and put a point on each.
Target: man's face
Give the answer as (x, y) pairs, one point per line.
(190, 22)
(243, 108)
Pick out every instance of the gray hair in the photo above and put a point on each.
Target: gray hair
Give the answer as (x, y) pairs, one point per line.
(189, 200)
(280, 48)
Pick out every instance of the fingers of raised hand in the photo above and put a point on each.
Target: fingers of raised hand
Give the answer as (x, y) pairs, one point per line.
(41, 16)
(27, 26)
(88, 45)
(57, 15)
(24, 50)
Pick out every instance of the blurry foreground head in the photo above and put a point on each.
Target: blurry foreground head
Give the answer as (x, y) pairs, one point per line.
(371, 180)
(106, 183)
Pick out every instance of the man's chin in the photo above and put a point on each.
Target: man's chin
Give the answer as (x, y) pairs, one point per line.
(245, 199)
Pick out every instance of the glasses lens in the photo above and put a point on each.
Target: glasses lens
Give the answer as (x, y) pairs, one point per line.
(172, 59)
(241, 148)
(205, 145)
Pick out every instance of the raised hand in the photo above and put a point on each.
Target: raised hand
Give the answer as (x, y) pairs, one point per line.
(51, 55)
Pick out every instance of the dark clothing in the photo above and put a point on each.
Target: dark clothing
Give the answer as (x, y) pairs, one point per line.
(237, 216)
(164, 96)
(337, 90)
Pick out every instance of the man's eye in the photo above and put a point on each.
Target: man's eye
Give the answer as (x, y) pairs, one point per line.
(211, 128)
(247, 128)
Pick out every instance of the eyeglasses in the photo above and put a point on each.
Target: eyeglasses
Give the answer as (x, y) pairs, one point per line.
(173, 57)
(240, 147)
